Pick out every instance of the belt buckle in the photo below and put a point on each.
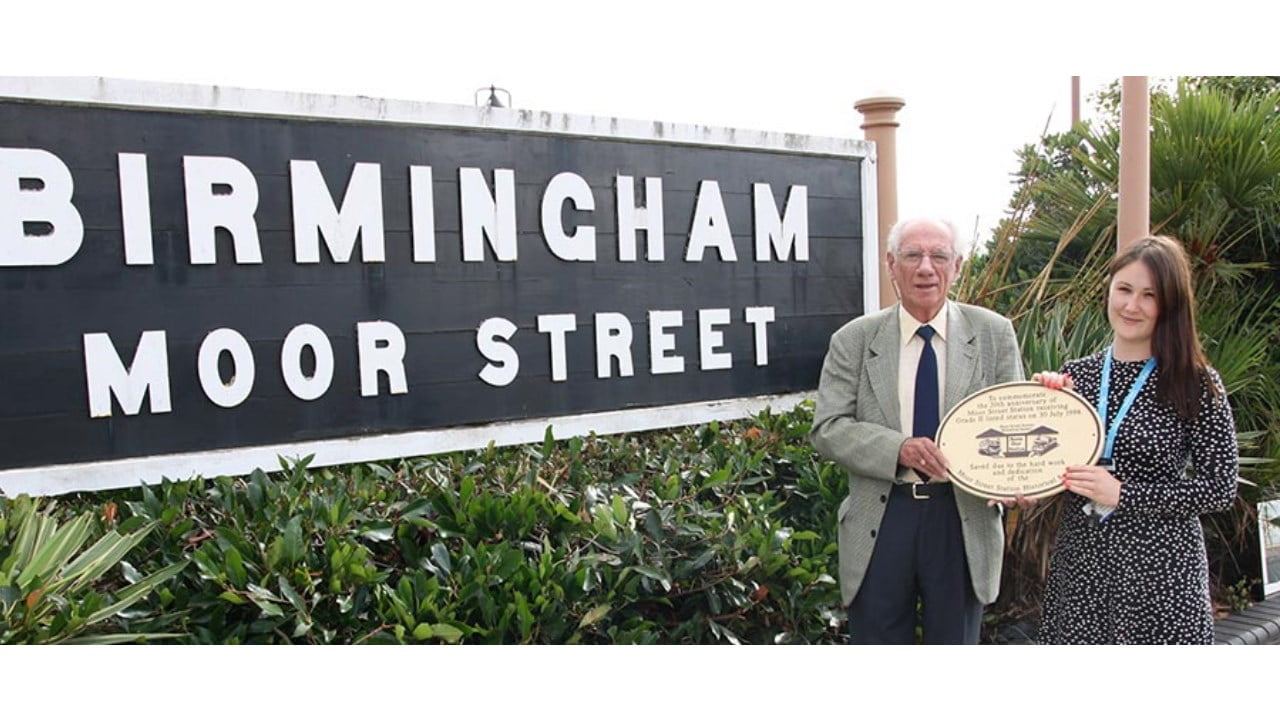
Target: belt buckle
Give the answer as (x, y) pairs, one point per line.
(915, 491)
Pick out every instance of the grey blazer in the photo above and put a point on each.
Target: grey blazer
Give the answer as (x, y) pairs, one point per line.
(856, 424)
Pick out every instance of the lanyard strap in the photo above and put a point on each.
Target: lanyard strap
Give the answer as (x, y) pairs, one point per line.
(1114, 428)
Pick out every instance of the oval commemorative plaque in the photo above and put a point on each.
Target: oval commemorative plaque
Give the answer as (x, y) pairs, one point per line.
(1017, 438)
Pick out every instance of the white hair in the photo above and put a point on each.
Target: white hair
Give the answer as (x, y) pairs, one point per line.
(895, 233)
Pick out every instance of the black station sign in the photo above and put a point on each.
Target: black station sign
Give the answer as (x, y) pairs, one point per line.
(190, 290)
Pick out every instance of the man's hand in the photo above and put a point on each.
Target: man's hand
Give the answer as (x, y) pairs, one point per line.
(920, 453)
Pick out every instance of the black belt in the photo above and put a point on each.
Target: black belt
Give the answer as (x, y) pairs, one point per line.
(923, 491)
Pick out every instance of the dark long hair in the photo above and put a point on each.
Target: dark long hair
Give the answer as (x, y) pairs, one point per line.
(1175, 344)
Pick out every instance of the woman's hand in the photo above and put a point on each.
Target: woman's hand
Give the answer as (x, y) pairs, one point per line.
(1053, 380)
(1093, 482)
(1018, 501)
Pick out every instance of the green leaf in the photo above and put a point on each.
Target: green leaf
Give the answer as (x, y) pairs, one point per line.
(707, 556)
(54, 547)
(136, 592)
(131, 524)
(268, 608)
(655, 573)
(100, 557)
(440, 555)
(235, 568)
(417, 508)
(653, 525)
(208, 569)
(594, 615)
(119, 638)
(32, 527)
(292, 596)
(604, 525)
(446, 632)
(548, 443)
(566, 514)
(257, 489)
(719, 477)
(258, 591)
(293, 549)
(232, 597)
(380, 531)
(423, 632)
(129, 572)
(721, 631)
(523, 616)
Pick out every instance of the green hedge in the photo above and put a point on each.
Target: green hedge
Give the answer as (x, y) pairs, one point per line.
(714, 533)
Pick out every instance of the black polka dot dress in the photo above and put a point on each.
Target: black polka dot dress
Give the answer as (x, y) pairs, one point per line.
(1141, 575)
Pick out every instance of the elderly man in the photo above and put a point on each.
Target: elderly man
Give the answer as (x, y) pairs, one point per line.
(907, 539)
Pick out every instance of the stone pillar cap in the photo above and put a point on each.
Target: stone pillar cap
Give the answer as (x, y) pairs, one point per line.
(879, 102)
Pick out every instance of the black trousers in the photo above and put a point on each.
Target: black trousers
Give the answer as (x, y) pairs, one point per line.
(918, 574)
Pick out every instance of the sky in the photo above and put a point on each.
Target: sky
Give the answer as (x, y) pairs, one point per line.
(979, 81)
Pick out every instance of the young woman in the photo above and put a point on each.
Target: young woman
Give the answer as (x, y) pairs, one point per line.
(1129, 562)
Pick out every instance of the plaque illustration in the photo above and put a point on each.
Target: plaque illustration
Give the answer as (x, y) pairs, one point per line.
(994, 443)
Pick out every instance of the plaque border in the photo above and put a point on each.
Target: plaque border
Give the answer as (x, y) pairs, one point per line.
(1093, 457)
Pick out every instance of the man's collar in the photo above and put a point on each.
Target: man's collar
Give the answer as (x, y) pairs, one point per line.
(908, 324)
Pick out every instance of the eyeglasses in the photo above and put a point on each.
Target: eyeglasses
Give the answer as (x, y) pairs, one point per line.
(913, 258)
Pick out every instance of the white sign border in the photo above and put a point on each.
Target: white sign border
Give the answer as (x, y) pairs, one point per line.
(108, 474)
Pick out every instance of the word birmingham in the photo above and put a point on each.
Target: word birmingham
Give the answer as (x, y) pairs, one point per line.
(221, 192)
(40, 226)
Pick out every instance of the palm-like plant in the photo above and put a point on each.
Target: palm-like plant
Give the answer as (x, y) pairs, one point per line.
(52, 587)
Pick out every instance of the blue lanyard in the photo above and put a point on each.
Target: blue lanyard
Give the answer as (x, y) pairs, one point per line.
(1114, 429)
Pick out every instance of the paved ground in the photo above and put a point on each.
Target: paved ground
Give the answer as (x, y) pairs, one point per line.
(1259, 625)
